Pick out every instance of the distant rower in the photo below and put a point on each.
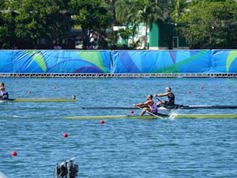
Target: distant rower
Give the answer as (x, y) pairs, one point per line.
(148, 106)
(3, 92)
(170, 95)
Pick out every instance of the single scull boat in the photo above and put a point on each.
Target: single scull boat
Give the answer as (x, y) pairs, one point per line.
(167, 107)
(39, 100)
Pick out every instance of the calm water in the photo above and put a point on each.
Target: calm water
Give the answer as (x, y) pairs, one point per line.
(119, 148)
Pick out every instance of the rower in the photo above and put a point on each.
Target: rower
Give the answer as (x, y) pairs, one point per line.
(170, 95)
(3, 92)
(148, 106)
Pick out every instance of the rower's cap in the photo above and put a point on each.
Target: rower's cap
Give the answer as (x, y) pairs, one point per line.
(150, 96)
(168, 88)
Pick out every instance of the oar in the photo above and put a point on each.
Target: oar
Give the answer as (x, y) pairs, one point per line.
(158, 98)
(160, 117)
(108, 107)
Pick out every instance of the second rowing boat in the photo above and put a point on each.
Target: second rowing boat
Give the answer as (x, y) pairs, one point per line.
(172, 116)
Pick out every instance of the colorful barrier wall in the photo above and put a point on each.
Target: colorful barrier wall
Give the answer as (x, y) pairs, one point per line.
(224, 61)
(76, 61)
(175, 61)
(54, 61)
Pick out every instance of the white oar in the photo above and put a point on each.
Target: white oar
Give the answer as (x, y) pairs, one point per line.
(158, 98)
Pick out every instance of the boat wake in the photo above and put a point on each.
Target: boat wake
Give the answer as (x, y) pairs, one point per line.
(2, 175)
(16, 116)
(173, 115)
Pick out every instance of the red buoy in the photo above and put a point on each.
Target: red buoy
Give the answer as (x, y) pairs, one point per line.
(14, 153)
(65, 135)
(102, 121)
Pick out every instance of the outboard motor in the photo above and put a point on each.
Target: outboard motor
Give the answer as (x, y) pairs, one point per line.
(67, 169)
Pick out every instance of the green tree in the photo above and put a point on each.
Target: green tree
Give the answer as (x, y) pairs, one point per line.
(209, 24)
(27, 23)
(134, 12)
(111, 3)
(40, 20)
(94, 18)
(178, 9)
(7, 25)
(148, 13)
(126, 16)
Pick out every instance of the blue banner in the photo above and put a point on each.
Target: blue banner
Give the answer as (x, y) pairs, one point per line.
(55, 61)
(119, 61)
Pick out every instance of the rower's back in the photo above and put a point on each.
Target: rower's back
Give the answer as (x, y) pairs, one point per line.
(3, 93)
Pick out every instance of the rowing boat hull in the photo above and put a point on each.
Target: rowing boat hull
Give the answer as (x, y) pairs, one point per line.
(40, 100)
(166, 108)
(176, 116)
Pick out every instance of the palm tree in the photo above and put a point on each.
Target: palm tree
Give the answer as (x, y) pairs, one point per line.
(126, 14)
(178, 8)
(149, 13)
(112, 5)
(142, 11)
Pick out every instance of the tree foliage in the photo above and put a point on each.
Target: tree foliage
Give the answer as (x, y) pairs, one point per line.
(31, 20)
(7, 26)
(94, 18)
(134, 12)
(43, 23)
(209, 24)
